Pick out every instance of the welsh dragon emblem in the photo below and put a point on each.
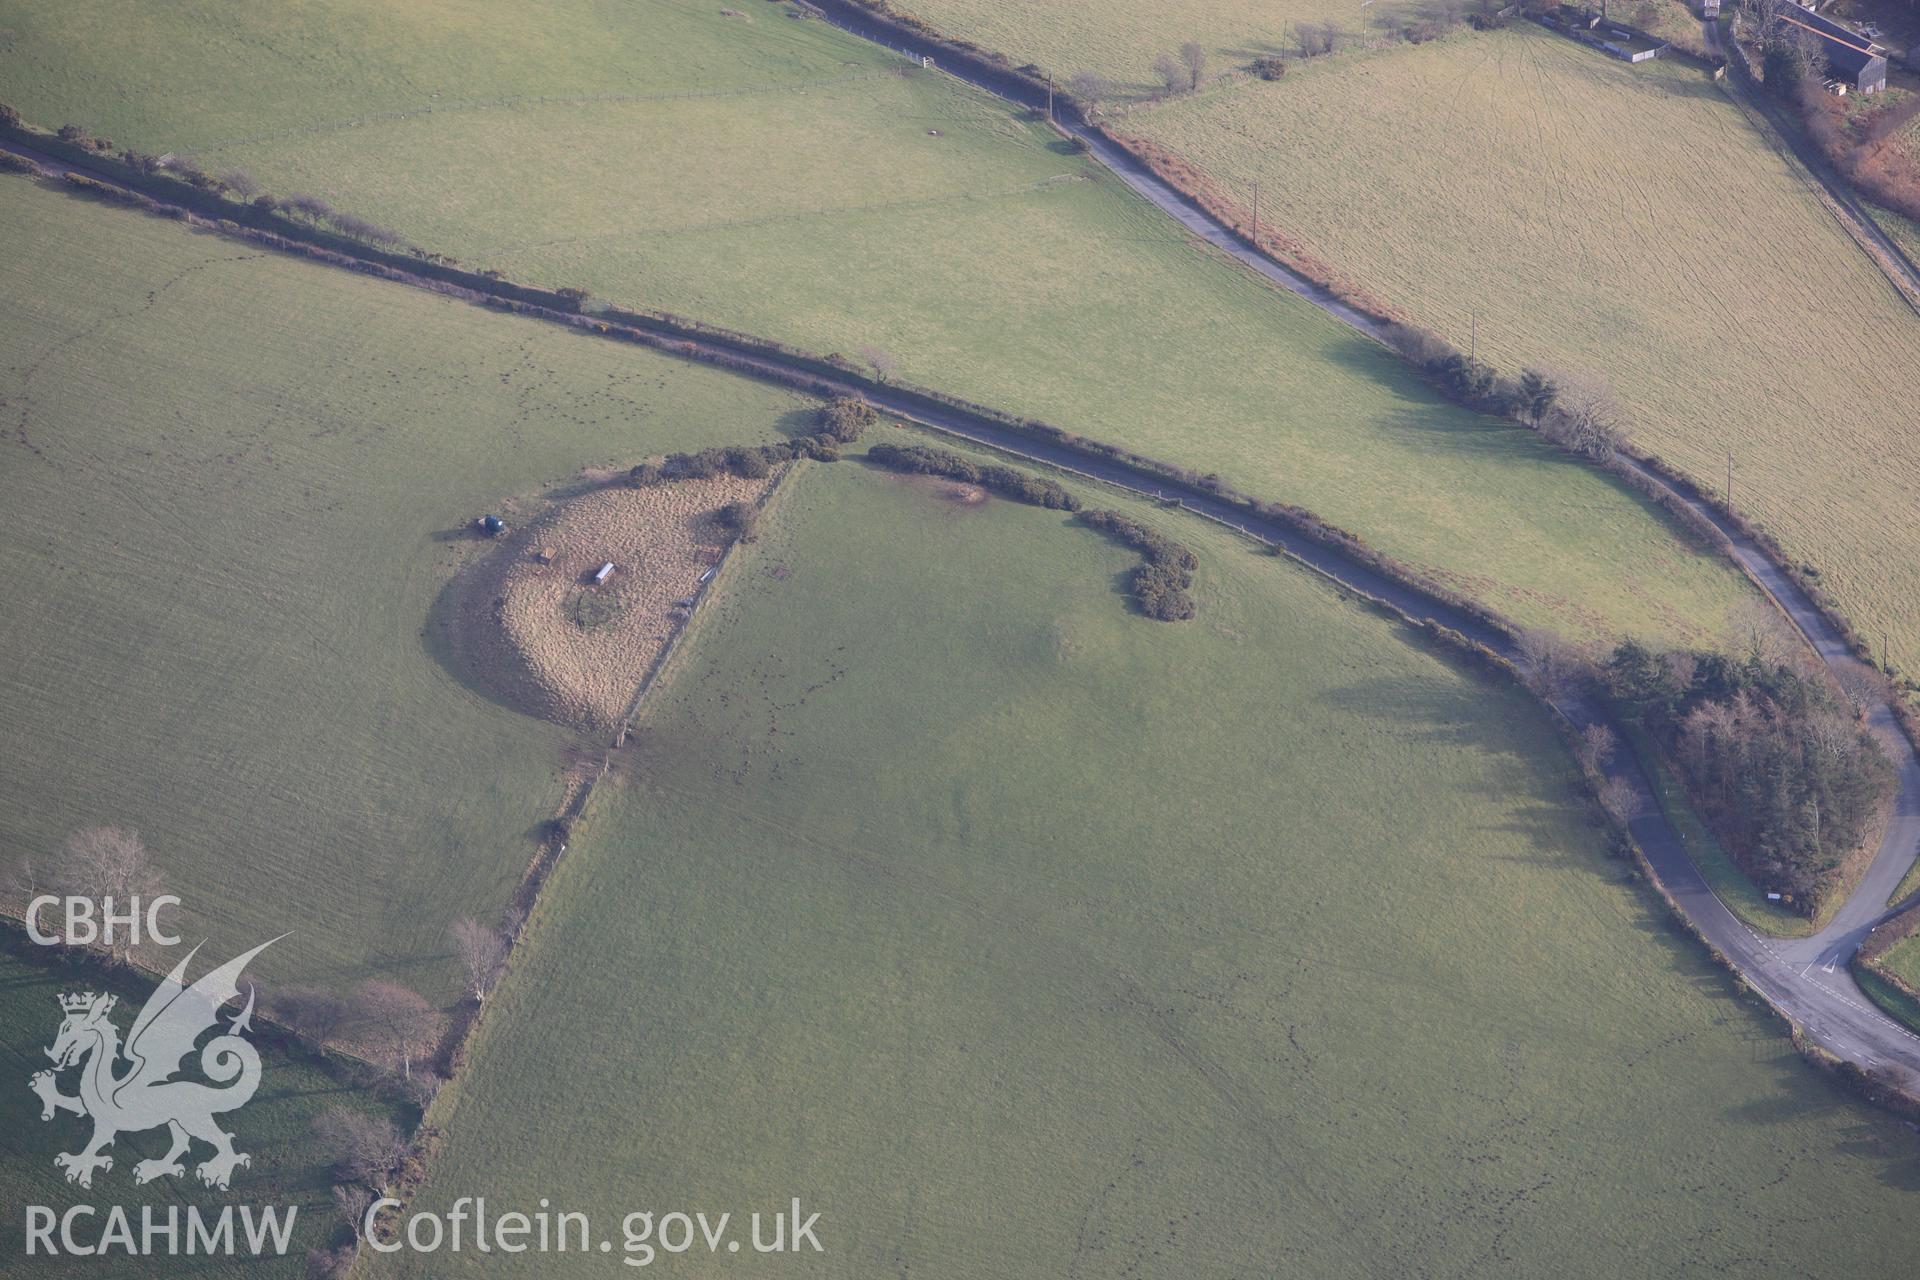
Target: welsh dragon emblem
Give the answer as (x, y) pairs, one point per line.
(130, 1088)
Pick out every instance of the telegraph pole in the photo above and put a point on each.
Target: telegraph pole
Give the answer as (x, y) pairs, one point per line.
(1729, 481)
(1473, 351)
(1049, 97)
(1256, 213)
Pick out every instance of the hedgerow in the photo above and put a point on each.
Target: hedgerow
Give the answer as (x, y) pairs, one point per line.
(1160, 585)
(1006, 481)
(749, 462)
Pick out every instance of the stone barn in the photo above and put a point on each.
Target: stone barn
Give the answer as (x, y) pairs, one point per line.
(1852, 59)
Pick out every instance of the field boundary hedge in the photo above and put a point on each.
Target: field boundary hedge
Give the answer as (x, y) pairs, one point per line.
(826, 377)
(1645, 472)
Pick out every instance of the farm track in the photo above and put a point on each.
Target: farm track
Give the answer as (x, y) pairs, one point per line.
(1806, 980)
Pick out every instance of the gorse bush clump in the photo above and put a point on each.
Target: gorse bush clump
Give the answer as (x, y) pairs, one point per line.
(738, 520)
(845, 417)
(1006, 481)
(1160, 585)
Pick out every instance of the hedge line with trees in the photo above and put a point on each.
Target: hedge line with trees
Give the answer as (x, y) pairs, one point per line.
(1008, 482)
(1784, 772)
(827, 375)
(749, 462)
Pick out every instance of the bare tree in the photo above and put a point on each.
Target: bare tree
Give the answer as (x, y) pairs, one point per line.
(351, 1201)
(1551, 664)
(881, 361)
(1090, 89)
(482, 952)
(24, 881)
(1832, 737)
(107, 862)
(363, 1148)
(1195, 59)
(312, 1013)
(1173, 76)
(1862, 685)
(397, 1020)
(1317, 38)
(1596, 746)
(1617, 797)
(241, 183)
(1761, 635)
(1586, 417)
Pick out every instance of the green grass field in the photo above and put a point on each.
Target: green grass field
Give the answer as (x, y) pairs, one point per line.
(273, 1128)
(1622, 219)
(1021, 936)
(1891, 999)
(1903, 960)
(235, 485)
(781, 177)
(1120, 39)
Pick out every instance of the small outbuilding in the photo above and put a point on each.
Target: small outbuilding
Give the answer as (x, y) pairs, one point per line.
(544, 555)
(601, 574)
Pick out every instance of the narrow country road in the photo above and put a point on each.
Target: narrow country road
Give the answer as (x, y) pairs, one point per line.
(1807, 979)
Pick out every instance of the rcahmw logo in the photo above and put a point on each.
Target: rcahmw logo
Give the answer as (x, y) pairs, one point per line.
(131, 1088)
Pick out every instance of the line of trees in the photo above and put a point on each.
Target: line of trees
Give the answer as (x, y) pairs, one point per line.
(1577, 411)
(1779, 767)
(98, 863)
(236, 184)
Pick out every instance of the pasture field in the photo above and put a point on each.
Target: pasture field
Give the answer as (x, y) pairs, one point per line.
(273, 1128)
(1626, 220)
(235, 484)
(781, 177)
(1903, 960)
(1119, 39)
(1018, 935)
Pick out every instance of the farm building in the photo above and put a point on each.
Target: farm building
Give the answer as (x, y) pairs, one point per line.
(1595, 30)
(1709, 9)
(601, 574)
(1852, 59)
